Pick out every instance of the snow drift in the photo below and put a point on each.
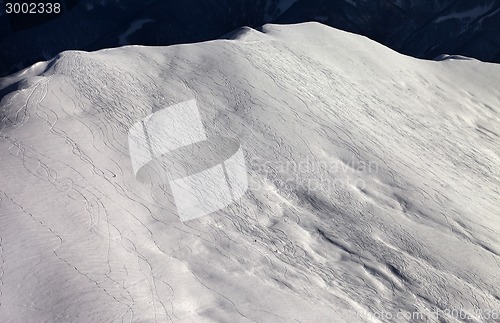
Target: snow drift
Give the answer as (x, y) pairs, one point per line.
(373, 185)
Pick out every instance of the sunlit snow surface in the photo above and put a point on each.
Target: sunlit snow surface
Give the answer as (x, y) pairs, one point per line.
(373, 185)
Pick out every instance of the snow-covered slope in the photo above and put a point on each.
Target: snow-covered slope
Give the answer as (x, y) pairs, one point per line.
(373, 178)
(423, 29)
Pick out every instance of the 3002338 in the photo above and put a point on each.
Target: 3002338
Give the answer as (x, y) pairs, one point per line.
(32, 8)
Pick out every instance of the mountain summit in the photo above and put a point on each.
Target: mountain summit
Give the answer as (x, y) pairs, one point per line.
(423, 29)
(372, 184)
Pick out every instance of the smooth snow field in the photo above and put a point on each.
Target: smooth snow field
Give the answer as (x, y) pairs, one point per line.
(373, 185)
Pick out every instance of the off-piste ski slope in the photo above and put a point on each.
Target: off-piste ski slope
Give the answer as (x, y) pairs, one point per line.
(374, 185)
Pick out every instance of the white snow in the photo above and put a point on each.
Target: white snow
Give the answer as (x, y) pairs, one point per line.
(374, 185)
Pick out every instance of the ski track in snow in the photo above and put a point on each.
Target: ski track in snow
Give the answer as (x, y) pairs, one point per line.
(82, 240)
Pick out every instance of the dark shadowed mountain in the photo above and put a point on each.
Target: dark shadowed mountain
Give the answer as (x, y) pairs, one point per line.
(423, 29)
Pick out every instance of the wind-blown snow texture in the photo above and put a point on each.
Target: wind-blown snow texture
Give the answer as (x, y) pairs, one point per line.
(374, 185)
(423, 29)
